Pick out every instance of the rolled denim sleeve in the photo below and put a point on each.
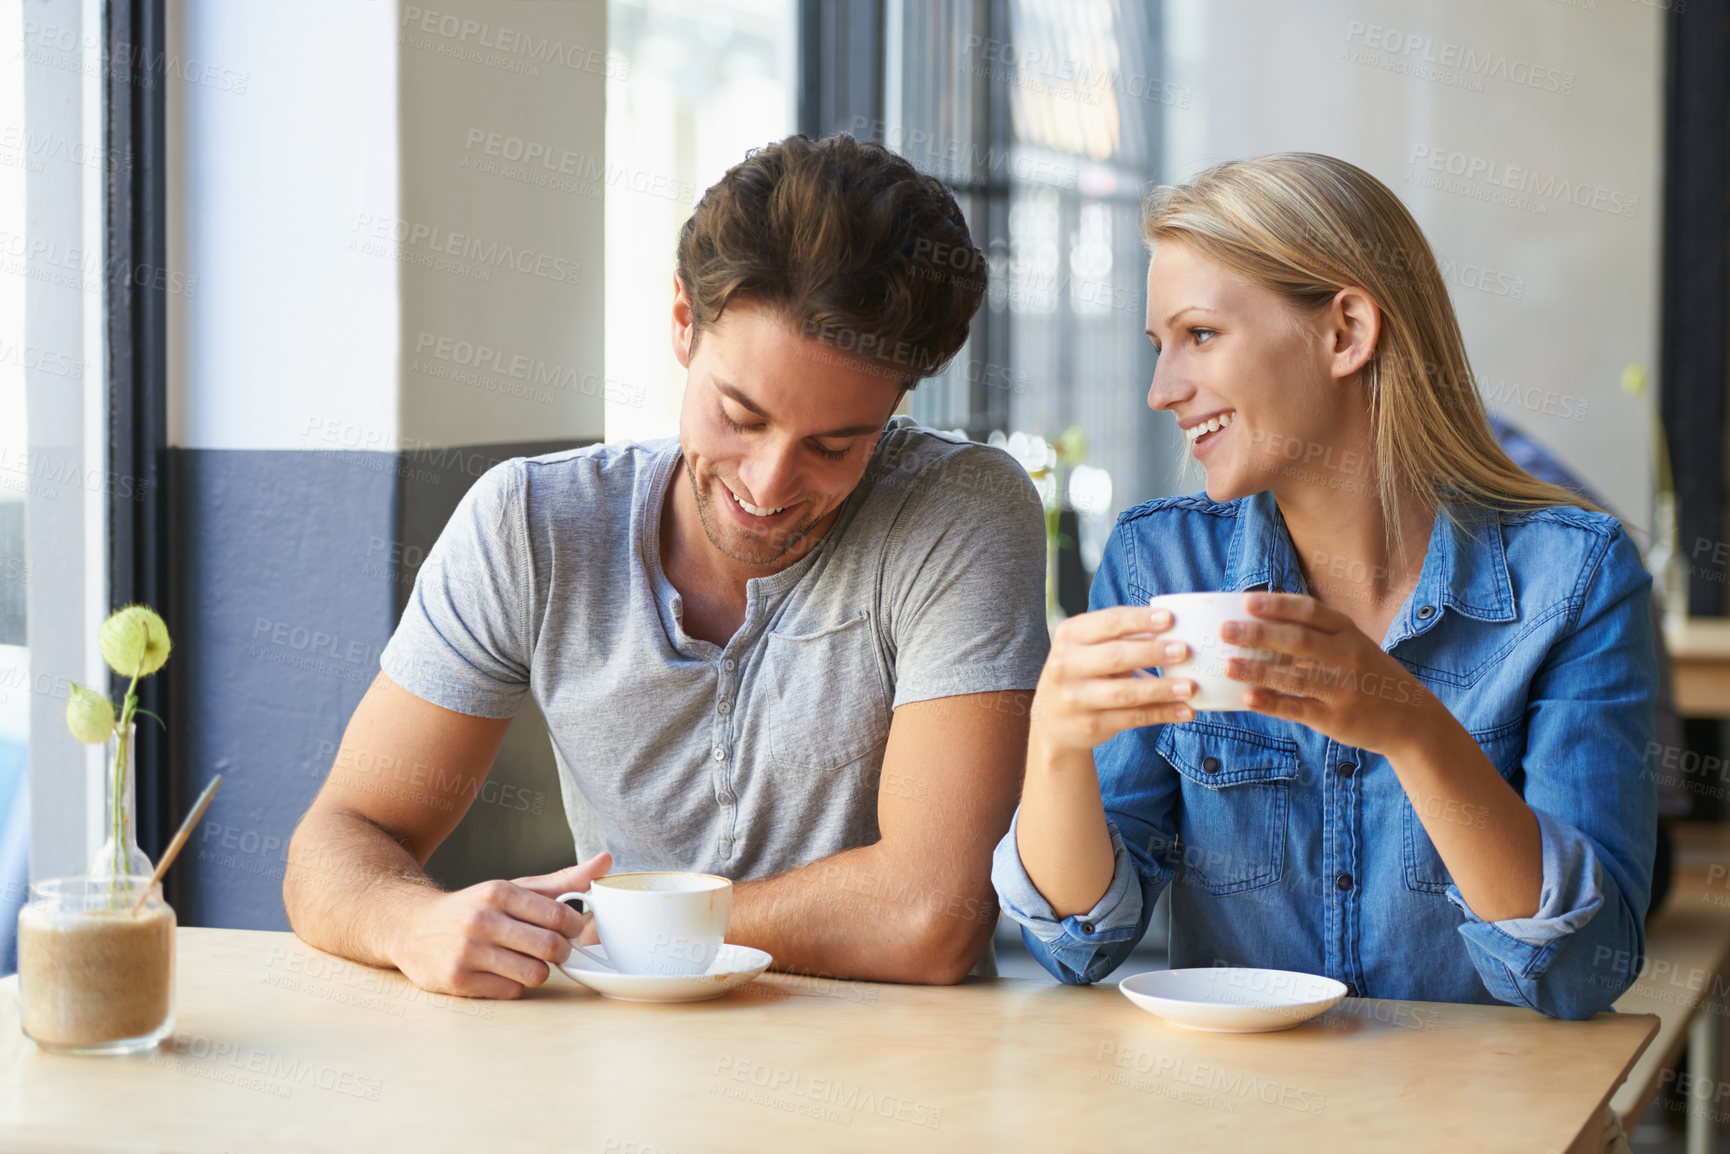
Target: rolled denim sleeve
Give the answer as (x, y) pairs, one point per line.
(1081, 948)
(1589, 725)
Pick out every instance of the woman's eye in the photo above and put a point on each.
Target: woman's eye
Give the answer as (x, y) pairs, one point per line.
(1202, 336)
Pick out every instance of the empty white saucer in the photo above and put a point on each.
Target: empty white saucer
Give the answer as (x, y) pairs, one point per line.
(1233, 1000)
(733, 966)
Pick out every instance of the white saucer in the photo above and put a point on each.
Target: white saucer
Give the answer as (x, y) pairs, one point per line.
(1233, 1000)
(733, 966)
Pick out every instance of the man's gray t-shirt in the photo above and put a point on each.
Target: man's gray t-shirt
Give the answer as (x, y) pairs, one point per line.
(766, 754)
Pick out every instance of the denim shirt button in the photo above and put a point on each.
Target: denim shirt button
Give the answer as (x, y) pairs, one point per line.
(1210, 764)
(1346, 769)
(1087, 927)
(1425, 612)
(1343, 882)
(1351, 989)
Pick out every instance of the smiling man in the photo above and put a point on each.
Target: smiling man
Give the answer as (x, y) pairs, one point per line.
(792, 646)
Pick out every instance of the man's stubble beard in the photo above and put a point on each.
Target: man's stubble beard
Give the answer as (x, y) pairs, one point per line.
(707, 514)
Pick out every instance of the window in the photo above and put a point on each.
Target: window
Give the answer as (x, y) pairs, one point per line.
(708, 81)
(54, 490)
(1045, 117)
(1050, 175)
(15, 567)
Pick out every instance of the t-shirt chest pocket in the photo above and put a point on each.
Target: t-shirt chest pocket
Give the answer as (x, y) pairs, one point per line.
(1236, 804)
(828, 705)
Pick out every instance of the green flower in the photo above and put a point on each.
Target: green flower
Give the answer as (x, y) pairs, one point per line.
(1634, 379)
(89, 715)
(1071, 445)
(134, 641)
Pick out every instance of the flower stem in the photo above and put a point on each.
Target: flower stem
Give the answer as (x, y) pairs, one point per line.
(122, 751)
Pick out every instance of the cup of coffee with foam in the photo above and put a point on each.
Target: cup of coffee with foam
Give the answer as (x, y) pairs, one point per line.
(664, 923)
(1196, 618)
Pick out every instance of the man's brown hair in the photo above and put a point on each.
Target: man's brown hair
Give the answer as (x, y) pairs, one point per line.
(845, 239)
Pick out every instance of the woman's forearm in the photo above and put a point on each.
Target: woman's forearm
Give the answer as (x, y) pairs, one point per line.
(1485, 833)
(1061, 833)
(1092, 689)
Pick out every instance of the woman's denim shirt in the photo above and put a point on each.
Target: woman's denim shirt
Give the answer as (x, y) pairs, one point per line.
(1285, 849)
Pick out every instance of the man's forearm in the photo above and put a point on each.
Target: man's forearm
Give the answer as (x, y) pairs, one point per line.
(857, 914)
(347, 884)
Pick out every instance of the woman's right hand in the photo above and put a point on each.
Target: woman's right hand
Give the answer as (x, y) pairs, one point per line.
(1093, 687)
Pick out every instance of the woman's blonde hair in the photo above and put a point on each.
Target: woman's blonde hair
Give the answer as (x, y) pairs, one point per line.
(1306, 226)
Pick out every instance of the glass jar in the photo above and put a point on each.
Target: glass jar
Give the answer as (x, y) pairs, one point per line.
(94, 977)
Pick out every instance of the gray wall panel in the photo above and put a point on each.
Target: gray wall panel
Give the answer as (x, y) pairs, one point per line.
(298, 565)
(281, 618)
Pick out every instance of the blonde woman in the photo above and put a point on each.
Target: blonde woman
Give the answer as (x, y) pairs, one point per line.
(1435, 790)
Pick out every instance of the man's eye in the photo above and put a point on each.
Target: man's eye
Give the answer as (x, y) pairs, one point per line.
(735, 425)
(831, 454)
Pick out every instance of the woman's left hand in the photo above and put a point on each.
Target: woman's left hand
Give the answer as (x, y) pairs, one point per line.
(1327, 675)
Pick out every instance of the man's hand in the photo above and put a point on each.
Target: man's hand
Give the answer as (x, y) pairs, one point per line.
(495, 939)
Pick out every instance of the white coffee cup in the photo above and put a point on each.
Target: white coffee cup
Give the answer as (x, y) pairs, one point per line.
(665, 923)
(1196, 618)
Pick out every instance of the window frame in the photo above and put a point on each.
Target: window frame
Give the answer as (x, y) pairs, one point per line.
(136, 298)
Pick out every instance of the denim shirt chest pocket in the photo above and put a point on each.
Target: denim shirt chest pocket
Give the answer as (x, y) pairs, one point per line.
(1504, 745)
(827, 693)
(1236, 803)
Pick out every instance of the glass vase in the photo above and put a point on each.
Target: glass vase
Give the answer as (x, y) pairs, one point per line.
(95, 977)
(119, 855)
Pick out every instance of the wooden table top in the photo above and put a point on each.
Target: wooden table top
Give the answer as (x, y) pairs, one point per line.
(279, 1047)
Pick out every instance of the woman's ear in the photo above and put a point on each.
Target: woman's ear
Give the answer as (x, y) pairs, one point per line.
(1354, 327)
(684, 326)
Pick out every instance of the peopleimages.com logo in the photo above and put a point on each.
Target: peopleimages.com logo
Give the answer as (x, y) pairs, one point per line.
(1448, 61)
(1531, 187)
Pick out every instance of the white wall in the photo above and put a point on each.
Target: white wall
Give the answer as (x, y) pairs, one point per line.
(1555, 299)
(287, 330)
(343, 268)
(503, 127)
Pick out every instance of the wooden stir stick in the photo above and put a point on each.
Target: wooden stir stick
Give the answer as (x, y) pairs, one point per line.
(180, 837)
